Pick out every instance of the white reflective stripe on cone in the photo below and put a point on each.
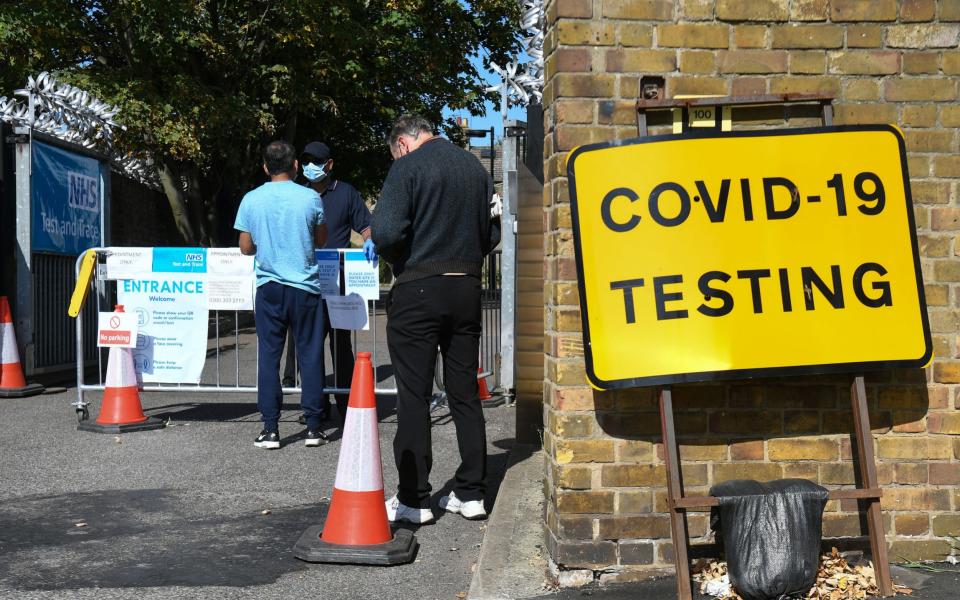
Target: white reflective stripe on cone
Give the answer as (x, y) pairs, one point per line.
(358, 469)
(120, 370)
(8, 344)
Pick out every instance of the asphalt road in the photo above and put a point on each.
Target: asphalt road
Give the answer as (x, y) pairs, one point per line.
(180, 512)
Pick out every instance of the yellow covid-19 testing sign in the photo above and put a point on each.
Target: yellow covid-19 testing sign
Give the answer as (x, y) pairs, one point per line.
(753, 253)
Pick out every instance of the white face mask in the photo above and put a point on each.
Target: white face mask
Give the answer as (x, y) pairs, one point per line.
(313, 173)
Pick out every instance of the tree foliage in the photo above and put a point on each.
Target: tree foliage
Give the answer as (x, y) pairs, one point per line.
(203, 84)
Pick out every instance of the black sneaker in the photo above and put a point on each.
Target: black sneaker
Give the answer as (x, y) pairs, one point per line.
(267, 439)
(316, 438)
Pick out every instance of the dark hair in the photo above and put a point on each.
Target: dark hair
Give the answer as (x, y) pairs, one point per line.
(409, 124)
(278, 157)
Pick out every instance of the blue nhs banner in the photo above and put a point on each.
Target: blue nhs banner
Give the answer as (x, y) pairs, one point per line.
(179, 260)
(67, 199)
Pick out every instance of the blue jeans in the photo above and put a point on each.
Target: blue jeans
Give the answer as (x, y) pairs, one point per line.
(278, 307)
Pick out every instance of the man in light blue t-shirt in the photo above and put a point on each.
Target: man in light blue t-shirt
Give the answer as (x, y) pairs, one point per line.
(281, 223)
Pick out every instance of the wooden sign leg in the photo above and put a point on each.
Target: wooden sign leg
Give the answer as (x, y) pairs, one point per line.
(868, 471)
(678, 526)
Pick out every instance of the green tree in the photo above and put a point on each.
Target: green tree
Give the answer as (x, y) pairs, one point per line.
(203, 84)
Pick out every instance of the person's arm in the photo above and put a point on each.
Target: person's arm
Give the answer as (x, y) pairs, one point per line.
(247, 247)
(392, 214)
(320, 224)
(320, 235)
(493, 225)
(359, 214)
(360, 222)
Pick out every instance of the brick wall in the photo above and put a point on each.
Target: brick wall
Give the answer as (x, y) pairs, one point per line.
(884, 61)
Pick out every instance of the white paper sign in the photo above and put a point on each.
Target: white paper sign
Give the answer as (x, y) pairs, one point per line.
(229, 262)
(347, 312)
(172, 316)
(230, 293)
(328, 264)
(360, 276)
(129, 263)
(117, 329)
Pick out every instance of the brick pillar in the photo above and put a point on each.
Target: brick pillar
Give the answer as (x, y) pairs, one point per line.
(885, 61)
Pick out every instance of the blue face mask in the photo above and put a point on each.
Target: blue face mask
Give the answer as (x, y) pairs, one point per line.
(313, 173)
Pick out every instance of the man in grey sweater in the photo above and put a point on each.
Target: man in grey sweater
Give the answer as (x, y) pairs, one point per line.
(434, 224)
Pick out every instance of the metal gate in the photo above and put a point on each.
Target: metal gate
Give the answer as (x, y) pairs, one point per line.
(231, 365)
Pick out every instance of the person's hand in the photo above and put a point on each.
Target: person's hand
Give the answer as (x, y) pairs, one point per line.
(496, 206)
(370, 250)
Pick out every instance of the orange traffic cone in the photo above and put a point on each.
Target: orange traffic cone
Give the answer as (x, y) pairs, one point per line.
(121, 410)
(357, 530)
(484, 392)
(12, 383)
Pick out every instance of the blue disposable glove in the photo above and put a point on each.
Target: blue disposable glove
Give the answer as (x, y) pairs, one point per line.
(370, 250)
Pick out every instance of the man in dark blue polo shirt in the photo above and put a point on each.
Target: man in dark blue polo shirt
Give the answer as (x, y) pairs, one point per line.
(344, 212)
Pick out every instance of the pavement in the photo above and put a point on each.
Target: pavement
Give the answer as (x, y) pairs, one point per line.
(940, 584)
(196, 511)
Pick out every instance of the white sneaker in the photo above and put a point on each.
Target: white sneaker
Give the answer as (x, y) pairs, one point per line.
(471, 509)
(398, 511)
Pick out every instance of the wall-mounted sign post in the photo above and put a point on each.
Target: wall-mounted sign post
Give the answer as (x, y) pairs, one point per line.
(709, 256)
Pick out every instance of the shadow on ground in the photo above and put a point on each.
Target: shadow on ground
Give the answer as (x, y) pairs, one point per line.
(144, 538)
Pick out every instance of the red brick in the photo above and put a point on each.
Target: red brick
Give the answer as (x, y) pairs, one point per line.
(939, 422)
(864, 36)
(945, 473)
(802, 449)
(923, 36)
(648, 10)
(917, 10)
(752, 10)
(861, 62)
(752, 61)
(577, 9)
(748, 450)
(634, 527)
(807, 36)
(912, 523)
(693, 36)
(913, 448)
(809, 10)
(573, 60)
(863, 10)
(585, 502)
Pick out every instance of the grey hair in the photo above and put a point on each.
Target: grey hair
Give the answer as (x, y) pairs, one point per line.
(409, 124)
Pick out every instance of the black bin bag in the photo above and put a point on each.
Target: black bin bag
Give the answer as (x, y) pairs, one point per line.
(771, 535)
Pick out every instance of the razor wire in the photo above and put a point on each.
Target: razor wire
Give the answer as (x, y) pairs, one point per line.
(76, 116)
(522, 83)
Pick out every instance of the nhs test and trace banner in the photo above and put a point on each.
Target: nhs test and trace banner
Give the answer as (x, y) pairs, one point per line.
(171, 290)
(67, 199)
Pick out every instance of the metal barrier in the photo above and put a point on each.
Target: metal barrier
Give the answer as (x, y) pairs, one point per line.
(231, 365)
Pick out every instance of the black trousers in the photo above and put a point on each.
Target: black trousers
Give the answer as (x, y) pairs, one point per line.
(341, 353)
(279, 308)
(444, 312)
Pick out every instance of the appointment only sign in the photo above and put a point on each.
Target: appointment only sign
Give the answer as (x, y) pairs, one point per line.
(747, 254)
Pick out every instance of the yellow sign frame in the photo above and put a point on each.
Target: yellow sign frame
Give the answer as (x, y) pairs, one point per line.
(618, 356)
